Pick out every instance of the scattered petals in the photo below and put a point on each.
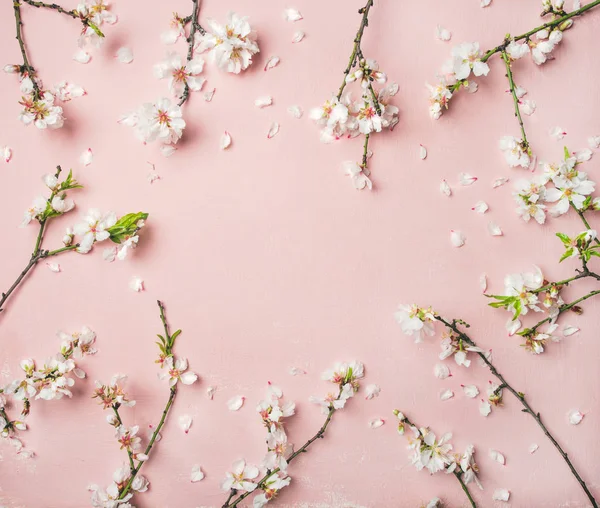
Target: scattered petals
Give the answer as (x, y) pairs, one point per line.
(533, 448)
(422, 152)
(594, 141)
(82, 56)
(298, 36)
(375, 424)
(494, 229)
(6, 153)
(273, 130)
(471, 391)
(263, 102)
(167, 150)
(292, 15)
(225, 141)
(557, 133)
(501, 495)
(485, 408)
(441, 371)
(124, 55)
(575, 417)
(136, 284)
(53, 267)
(185, 422)
(273, 61)
(86, 157)
(569, 330)
(480, 207)
(210, 392)
(466, 179)
(236, 403)
(208, 96)
(446, 394)
(483, 283)
(497, 456)
(499, 182)
(445, 188)
(109, 254)
(295, 371)
(442, 34)
(372, 391)
(197, 474)
(295, 111)
(457, 238)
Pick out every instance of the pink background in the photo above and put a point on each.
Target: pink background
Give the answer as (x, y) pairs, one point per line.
(267, 258)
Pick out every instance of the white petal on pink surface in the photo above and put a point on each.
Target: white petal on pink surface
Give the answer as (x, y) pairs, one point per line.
(483, 283)
(291, 14)
(446, 395)
(136, 284)
(210, 392)
(441, 371)
(472, 87)
(485, 408)
(422, 152)
(499, 182)
(208, 96)
(296, 371)
(6, 153)
(575, 417)
(225, 141)
(185, 422)
(513, 326)
(445, 188)
(196, 474)
(86, 157)
(457, 239)
(53, 267)
(480, 207)
(109, 254)
(557, 133)
(376, 423)
(272, 62)
(82, 56)
(466, 179)
(497, 456)
(236, 403)
(295, 111)
(485, 3)
(273, 130)
(494, 229)
(501, 495)
(372, 391)
(167, 150)
(263, 102)
(124, 55)
(470, 391)
(443, 34)
(569, 330)
(594, 141)
(533, 448)
(298, 36)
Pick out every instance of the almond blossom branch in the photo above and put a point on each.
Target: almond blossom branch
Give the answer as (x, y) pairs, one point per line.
(551, 24)
(439, 456)
(356, 48)
(95, 227)
(496, 396)
(191, 40)
(127, 480)
(26, 68)
(511, 82)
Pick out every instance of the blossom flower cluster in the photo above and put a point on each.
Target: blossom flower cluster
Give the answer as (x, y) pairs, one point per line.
(559, 187)
(52, 380)
(245, 478)
(43, 107)
(230, 46)
(435, 455)
(126, 479)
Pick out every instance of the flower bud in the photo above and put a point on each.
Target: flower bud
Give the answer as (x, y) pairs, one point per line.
(12, 69)
(577, 310)
(68, 238)
(565, 25)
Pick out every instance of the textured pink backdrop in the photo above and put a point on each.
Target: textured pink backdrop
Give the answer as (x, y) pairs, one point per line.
(267, 258)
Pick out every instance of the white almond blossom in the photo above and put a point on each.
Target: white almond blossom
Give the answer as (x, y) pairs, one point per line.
(416, 321)
(515, 152)
(161, 121)
(467, 58)
(181, 73)
(240, 477)
(94, 228)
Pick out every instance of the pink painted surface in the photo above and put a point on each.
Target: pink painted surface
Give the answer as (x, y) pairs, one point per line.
(267, 258)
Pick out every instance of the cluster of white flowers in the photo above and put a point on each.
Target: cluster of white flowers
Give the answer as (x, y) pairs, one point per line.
(243, 477)
(94, 14)
(111, 496)
(345, 376)
(52, 381)
(370, 113)
(570, 188)
(231, 46)
(435, 455)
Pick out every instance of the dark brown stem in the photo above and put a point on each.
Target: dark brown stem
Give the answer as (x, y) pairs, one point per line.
(26, 67)
(72, 13)
(194, 27)
(520, 396)
(356, 48)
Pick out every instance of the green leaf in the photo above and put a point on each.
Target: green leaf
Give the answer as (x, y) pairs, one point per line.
(567, 153)
(94, 28)
(568, 253)
(564, 238)
(126, 226)
(174, 336)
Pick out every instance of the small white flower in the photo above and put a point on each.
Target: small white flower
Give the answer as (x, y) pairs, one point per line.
(240, 478)
(415, 321)
(467, 58)
(360, 177)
